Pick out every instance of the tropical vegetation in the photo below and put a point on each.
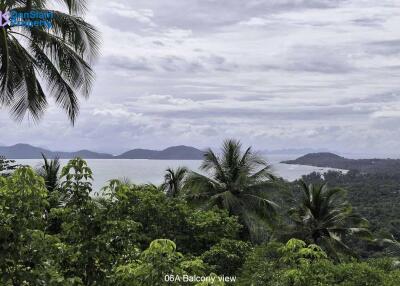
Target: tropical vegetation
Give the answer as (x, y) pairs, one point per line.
(174, 181)
(195, 229)
(324, 217)
(231, 223)
(237, 181)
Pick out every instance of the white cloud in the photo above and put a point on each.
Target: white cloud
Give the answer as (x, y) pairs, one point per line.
(387, 112)
(113, 9)
(255, 21)
(275, 74)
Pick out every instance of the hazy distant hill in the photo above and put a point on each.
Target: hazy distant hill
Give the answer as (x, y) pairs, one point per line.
(171, 153)
(292, 151)
(26, 151)
(385, 166)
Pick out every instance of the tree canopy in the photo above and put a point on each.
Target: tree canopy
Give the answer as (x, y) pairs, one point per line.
(55, 230)
(237, 181)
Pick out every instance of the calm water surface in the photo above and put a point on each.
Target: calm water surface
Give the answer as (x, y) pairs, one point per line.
(152, 171)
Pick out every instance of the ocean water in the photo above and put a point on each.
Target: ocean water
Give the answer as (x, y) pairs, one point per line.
(152, 171)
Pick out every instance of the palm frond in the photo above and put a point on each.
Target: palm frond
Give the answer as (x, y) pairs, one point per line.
(59, 57)
(75, 6)
(238, 182)
(326, 217)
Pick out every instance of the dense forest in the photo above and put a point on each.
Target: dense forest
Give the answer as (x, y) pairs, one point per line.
(236, 225)
(375, 196)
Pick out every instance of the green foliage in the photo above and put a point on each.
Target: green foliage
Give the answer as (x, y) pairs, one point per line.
(227, 256)
(174, 180)
(375, 197)
(37, 62)
(77, 185)
(274, 263)
(49, 171)
(94, 239)
(260, 264)
(193, 230)
(324, 217)
(125, 237)
(23, 199)
(27, 252)
(298, 252)
(211, 280)
(237, 182)
(299, 264)
(156, 263)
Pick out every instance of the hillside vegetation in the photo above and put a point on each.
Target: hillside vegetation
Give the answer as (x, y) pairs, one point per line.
(234, 224)
(372, 166)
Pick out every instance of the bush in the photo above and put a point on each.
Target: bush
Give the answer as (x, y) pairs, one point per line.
(227, 256)
(298, 264)
(158, 265)
(194, 231)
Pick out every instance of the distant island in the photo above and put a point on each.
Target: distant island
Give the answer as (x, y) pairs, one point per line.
(293, 151)
(26, 151)
(330, 160)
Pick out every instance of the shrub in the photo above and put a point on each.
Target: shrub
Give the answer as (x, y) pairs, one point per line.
(227, 256)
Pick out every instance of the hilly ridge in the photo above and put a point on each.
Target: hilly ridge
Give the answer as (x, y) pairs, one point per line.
(172, 153)
(26, 151)
(330, 160)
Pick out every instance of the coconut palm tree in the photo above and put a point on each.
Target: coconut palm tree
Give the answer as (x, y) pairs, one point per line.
(173, 181)
(238, 182)
(50, 171)
(324, 217)
(58, 57)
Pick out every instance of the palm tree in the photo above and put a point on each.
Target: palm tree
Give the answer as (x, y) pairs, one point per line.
(59, 57)
(50, 171)
(237, 182)
(7, 166)
(173, 181)
(325, 218)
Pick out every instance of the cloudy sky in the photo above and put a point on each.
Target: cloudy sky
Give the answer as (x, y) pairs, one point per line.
(273, 73)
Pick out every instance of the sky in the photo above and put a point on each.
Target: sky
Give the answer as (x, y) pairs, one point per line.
(276, 74)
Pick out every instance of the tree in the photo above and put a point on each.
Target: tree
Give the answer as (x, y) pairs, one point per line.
(28, 253)
(195, 231)
(173, 181)
(227, 256)
(94, 239)
(59, 56)
(6, 166)
(238, 182)
(300, 264)
(324, 217)
(77, 185)
(49, 171)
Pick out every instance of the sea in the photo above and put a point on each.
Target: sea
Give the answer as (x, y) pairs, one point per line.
(152, 171)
